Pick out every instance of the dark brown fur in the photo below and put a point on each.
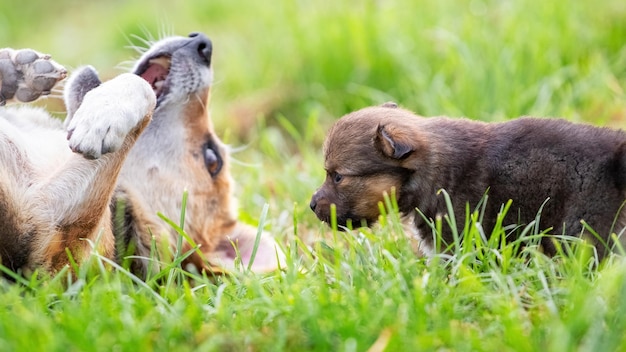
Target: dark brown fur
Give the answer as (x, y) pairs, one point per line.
(579, 171)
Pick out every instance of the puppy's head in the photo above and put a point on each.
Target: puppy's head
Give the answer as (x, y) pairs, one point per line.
(368, 153)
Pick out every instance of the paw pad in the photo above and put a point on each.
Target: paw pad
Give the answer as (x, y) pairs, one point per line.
(25, 75)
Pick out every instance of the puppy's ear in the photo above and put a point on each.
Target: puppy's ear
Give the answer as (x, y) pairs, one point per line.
(390, 104)
(393, 143)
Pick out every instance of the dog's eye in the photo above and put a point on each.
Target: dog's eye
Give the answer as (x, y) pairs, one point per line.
(212, 158)
(337, 177)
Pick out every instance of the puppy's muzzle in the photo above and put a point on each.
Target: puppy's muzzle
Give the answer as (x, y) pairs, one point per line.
(314, 201)
(320, 205)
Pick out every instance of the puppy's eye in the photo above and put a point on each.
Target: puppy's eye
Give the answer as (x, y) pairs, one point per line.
(337, 177)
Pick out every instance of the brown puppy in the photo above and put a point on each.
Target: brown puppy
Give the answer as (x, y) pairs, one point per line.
(137, 143)
(579, 171)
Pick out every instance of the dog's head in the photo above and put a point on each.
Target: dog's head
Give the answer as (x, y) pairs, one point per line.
(180, 152)
(368, 153)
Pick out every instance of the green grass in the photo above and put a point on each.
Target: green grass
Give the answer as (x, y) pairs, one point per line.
(284, 72)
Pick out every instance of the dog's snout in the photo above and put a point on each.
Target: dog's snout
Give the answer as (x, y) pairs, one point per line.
(315, 199)
(203, 46)
(321, 205)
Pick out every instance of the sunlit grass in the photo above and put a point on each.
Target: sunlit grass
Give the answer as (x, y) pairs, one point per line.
(345, 291)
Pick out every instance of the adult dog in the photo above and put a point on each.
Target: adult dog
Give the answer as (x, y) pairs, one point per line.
(567, 172)
(137, 143)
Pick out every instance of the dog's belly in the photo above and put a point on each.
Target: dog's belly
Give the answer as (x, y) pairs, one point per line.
(38, 136)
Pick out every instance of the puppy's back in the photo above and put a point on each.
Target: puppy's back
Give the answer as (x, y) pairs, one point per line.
(567, 172)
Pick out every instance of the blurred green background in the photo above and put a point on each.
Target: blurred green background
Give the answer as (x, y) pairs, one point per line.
(484, 59)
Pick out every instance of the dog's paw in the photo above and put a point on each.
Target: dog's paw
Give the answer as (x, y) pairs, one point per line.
(81, 81)
(25, 75)
(108, 113)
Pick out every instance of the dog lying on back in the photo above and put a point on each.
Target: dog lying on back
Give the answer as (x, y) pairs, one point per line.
(578, 171)
(136, 144)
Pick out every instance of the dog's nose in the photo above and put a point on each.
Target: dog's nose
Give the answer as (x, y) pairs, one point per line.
(313, 204)
(203, 46)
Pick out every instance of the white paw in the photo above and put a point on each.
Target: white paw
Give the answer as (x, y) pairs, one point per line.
(108, 113)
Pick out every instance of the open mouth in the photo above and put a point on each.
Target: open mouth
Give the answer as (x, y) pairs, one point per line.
(155, 71)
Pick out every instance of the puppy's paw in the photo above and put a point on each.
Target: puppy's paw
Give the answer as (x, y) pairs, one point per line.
(108, 113)
(26, 74)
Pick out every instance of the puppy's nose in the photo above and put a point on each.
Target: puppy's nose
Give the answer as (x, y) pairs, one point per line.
(313, 204)
(203, 46)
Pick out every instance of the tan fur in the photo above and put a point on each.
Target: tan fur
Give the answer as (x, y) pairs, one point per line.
(53, 200)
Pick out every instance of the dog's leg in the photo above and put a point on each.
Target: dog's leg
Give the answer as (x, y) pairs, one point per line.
(25, 75)
(76, 197)
(15, 230)
(81, 82)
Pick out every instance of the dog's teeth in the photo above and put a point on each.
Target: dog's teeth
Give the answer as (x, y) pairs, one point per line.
(159, 84)
(162, 60)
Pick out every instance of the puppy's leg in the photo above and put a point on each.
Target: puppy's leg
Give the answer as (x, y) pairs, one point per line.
(76, 197)
(25, 75)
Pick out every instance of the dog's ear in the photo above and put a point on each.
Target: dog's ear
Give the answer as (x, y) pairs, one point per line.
(393, 143)
(390, 104)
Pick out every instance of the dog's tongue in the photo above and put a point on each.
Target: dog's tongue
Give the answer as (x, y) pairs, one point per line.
(155, 72)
